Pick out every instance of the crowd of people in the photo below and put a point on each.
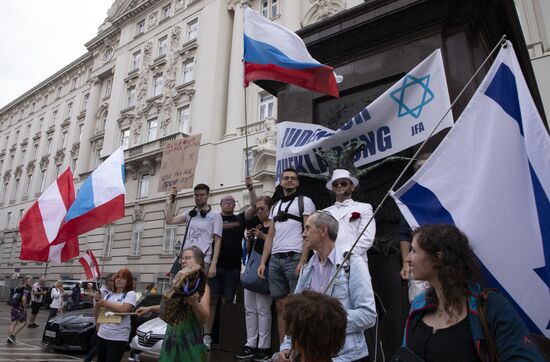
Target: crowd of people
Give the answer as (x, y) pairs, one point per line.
(316, 267)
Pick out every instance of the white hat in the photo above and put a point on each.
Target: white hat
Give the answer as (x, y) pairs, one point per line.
(338, 174)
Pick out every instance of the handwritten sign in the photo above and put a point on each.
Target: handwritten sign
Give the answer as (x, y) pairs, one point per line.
(104, 319)
(179, 161)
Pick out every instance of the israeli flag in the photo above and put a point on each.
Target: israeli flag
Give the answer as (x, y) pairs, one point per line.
(490, 177)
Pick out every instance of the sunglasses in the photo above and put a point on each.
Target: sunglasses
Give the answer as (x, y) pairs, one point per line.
(343, 183)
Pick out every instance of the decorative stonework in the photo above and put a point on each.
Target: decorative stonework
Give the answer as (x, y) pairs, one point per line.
(233, 4)
(18, 172)
(267, 139)
(322, 9)
(75, 149)
(31, 166)
(139, 213)
(7, 176)
(152, 21)
(44, 162)
(59, 157)
(176, 31)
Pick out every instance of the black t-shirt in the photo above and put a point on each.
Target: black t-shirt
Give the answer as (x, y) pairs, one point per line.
(448, 344)
(258, 243)
(232, 237)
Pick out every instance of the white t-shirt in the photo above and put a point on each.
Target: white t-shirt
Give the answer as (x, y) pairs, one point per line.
(57, 299)
(288, 234)
(202, 230)
(37, 288)
(119, 331)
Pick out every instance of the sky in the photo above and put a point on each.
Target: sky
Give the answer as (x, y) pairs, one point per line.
(39, 37)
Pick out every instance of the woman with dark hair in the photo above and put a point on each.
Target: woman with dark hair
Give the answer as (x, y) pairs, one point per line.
(257, 306)
(316, 324)
(185, 308)
(444, 322)
(113, 336)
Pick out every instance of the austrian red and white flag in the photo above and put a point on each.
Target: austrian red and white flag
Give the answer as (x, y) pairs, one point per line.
(40, 225)
(89, 263)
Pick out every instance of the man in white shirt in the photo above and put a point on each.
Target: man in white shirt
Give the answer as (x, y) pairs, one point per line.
(284, 246)
(352, 216)
(39, 290)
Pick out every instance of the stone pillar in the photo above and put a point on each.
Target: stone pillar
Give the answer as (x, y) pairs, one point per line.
(83, 162)
(235, 98)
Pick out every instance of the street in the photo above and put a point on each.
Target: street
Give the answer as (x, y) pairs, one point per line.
(28, 346)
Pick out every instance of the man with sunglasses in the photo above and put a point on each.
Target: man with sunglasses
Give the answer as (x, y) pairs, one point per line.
(352, 216)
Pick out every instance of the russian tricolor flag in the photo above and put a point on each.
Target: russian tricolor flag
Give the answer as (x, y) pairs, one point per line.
(100, 199)
(272, 52)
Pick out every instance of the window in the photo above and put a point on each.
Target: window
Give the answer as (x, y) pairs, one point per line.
(79, 132)
(40, 123)
(97, 160)
(137, 233)
(73, 83)
(192, 29)
(33, 105)
(8, 220)
(63, 143)
(45, 102)
(136, 60)
(22, 156)
(109, 238)
(144, 181)
(73, 164)
(131, 98)
(108, 87)
(179, 5)
(41, 181)
(34, 151)
(16, 138)
(69, 110)
(10, 163)
(248, 159)
(162, 45)
(125, 138)
(166, 11)
(48, 146)
(14, 190)
(103, 122)
(169, 239)
(85, 101)
(58, 94)
(28, 185)
(266, 106)
(57, 171)
(157, 84)
(54, 116)
(1, 165)
(269, 8)
(28, 130)
(183, 119)
(140, 27)
(187, 73)
(152, 126)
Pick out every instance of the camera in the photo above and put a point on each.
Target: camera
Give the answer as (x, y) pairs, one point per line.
(281, 216)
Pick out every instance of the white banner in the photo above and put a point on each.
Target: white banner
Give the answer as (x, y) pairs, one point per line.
(400, 118)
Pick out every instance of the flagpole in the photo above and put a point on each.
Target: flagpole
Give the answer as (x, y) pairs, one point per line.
(501, 43)
(46, 269)
(245, 128)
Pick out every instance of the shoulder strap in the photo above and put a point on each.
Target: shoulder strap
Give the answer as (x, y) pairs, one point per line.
(482, 313)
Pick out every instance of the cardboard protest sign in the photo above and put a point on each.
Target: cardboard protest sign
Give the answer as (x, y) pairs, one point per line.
(178, 163)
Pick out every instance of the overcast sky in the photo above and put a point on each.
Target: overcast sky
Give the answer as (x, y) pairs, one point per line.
(39, 37)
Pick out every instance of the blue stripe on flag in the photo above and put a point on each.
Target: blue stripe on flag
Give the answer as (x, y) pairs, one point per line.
(503, 90)
(425, 206)
(493, 283)
(543, 211)
(123, 173)
(262, 53)
(84, 201)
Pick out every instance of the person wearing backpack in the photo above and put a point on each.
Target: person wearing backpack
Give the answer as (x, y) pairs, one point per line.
(19, 310)
(56, 295)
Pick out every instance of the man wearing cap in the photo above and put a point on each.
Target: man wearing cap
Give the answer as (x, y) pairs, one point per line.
(352, 216)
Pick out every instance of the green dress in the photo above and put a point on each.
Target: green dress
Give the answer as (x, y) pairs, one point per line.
(183, 342)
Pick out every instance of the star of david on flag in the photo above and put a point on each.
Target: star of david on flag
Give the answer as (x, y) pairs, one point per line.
(413, 95)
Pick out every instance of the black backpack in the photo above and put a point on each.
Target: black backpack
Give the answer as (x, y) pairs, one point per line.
(15, 298)
(48, 297)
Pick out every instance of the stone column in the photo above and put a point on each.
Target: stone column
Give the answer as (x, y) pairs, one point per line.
(235, 98)
(83, 162)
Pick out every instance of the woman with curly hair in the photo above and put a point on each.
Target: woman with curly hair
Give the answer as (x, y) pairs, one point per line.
(316, 324)
(444, 322)
(112, 338)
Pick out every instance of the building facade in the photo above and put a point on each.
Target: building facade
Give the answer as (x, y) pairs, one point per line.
(156, 71)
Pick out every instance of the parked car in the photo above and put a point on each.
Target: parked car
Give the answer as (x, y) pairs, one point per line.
(149, 337)
(71, 331)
